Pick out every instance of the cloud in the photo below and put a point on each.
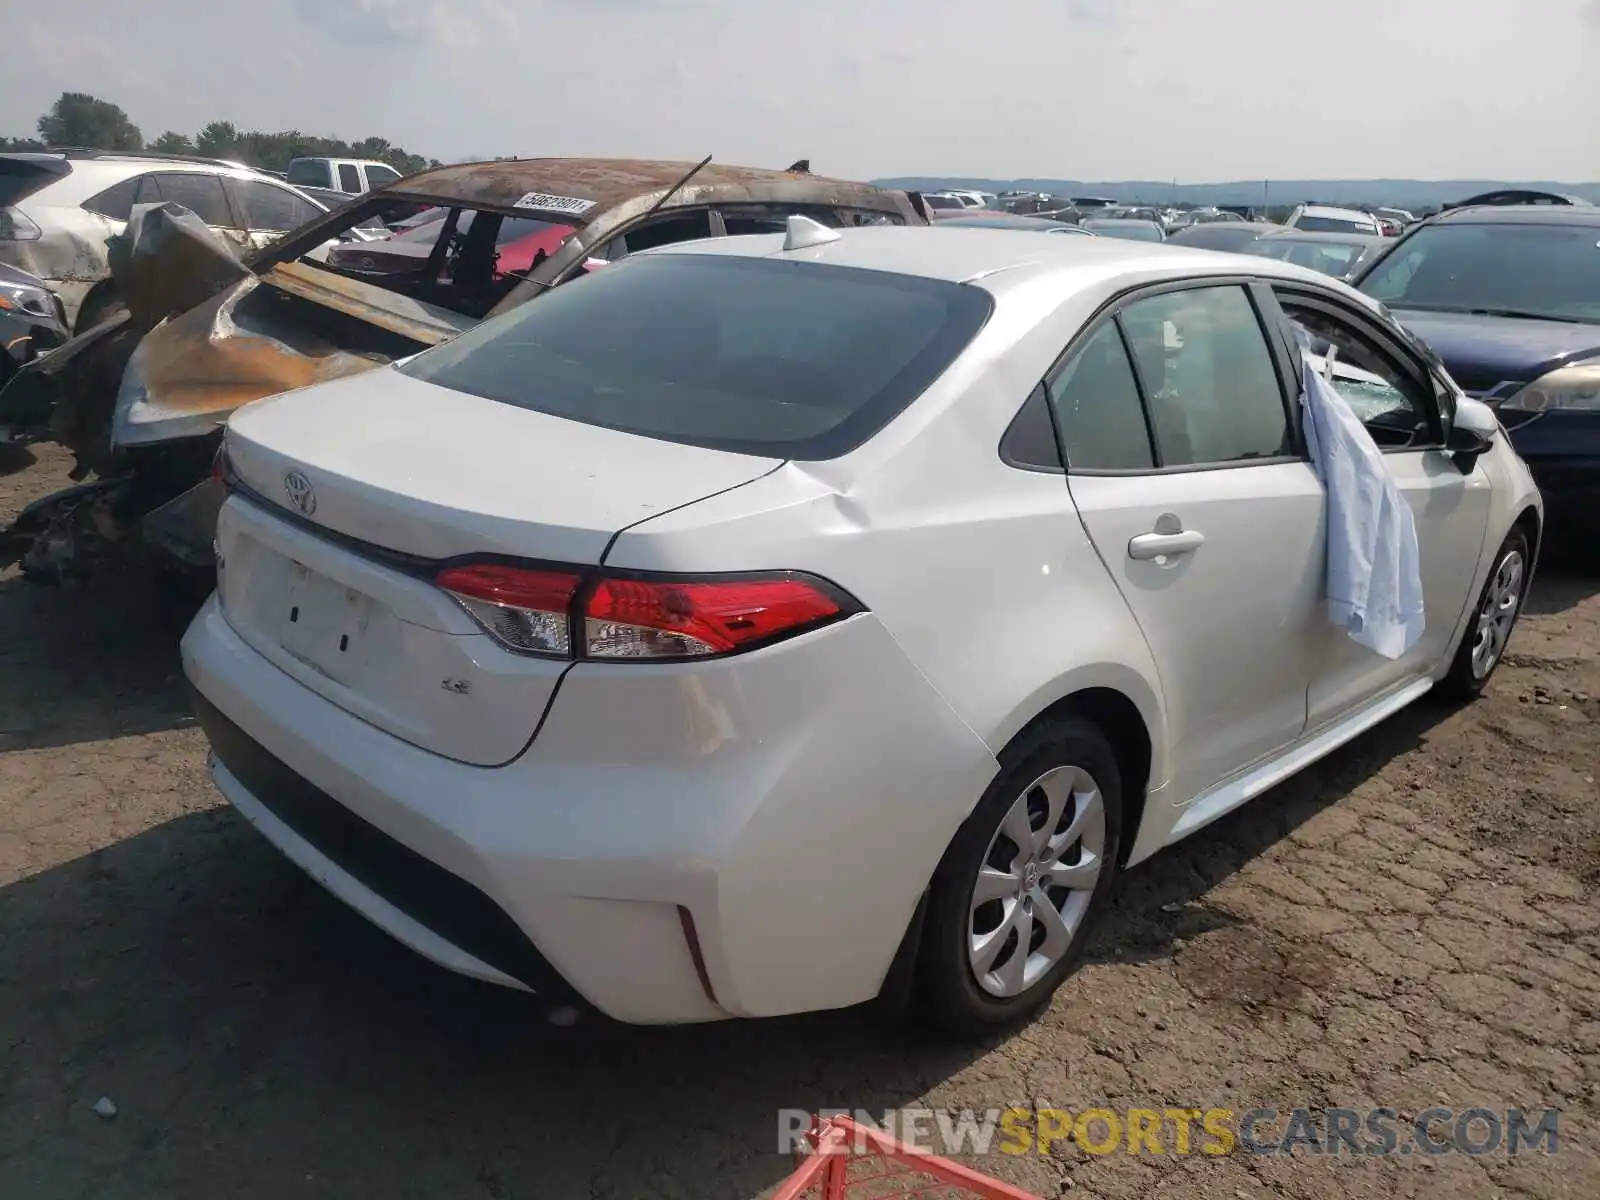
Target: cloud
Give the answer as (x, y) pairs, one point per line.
(411, 22)
(1102, 12)
(1591, 14)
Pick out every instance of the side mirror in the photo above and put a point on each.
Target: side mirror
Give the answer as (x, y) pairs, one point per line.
(1472, 433)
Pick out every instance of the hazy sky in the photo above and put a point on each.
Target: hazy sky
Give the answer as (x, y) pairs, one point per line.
(1200, 90)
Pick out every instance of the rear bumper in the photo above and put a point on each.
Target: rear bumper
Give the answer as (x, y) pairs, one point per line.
(794, 802)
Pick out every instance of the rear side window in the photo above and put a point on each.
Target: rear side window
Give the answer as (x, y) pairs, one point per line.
(1030, 442)
(310, 173)
(200, 194)
(784, 359)
(1097, 406)
(349, 178)
(263, 206)
(378, 175)
(741, 223)
(1213, 387)
(116, 201)
(666, 230)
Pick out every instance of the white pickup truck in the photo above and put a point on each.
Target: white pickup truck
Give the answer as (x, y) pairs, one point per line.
(351, 176)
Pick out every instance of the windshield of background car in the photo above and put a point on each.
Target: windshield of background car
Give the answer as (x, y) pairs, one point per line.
(1333, 225)
(1136, 231)
(1550, 271)
(1331, 258)
(780, 359)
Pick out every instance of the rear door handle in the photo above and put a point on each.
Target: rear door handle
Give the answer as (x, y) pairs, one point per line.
(1157, 545)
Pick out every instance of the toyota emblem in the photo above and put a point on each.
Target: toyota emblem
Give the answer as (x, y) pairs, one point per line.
(298, 488)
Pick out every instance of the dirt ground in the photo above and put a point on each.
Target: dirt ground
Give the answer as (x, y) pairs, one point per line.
(1412, 922)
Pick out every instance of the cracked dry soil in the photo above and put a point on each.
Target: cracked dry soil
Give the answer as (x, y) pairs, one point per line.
(1412, 922)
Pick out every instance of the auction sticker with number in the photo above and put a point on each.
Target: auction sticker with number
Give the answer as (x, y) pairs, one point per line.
(570, 205)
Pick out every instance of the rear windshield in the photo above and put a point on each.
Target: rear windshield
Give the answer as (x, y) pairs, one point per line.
(22, 177)
(1550, 271)
(1334, 225)
(756, 356)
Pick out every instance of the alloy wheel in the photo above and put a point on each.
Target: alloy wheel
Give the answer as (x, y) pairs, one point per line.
(1497, 614)
(1036, 881)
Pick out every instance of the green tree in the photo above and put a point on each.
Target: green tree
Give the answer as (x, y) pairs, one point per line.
(217, 140)
(79, 119)
(173, 143)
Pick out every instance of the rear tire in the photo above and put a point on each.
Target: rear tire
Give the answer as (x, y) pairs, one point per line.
(1023, 881)
(1489, 627)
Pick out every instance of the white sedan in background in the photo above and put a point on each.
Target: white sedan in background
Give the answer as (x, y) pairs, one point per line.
(765, 624)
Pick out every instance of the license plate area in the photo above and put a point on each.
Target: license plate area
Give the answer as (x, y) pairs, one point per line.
(326, 624)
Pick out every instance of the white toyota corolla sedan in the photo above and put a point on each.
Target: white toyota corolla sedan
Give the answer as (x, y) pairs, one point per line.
(766, 624)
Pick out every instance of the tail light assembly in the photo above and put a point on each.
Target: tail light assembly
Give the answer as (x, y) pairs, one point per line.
(603, 616)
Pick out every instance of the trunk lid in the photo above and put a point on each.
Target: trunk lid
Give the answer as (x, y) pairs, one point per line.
(419, 474)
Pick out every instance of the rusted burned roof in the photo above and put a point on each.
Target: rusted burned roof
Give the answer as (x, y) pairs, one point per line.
(580, 189)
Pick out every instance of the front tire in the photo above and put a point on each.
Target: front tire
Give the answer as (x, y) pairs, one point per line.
(1483, 643)
(1022, 883)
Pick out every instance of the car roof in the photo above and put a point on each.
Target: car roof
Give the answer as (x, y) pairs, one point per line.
(997, 219)
(592, 186)
(1519, 214)
(1117, 221)
(1331, 210)
(999, 256)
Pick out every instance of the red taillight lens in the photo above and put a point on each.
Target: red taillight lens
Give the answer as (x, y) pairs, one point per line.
(220, 470)
(649, 618)
(526, 610)
(532, 611)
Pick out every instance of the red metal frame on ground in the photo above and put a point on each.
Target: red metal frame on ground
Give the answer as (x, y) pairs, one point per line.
(850, 1161)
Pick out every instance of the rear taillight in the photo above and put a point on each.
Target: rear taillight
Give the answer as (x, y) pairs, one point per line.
(221, 468)
(525, 610)
(648, 618)
(535, 611)
(14, 227)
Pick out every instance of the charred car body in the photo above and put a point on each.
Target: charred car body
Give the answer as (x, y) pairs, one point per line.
(141, 399)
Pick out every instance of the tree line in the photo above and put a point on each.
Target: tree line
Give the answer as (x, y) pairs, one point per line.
(79, 119)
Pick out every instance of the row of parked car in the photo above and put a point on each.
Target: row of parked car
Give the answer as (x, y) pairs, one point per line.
(822, 607)
(1512, 299)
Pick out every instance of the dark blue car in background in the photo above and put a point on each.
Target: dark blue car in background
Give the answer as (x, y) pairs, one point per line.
(1509, 299)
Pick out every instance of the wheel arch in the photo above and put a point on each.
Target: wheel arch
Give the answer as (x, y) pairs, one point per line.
(1104, 696)
(1532, 524)
(1127, 709)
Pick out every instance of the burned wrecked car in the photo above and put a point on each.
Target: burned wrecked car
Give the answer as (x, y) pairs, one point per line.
(141, 399)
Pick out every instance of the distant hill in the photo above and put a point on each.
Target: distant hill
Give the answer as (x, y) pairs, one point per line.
(1394, 193)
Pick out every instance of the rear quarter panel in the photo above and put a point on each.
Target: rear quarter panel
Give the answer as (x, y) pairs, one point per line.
(982, 572)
